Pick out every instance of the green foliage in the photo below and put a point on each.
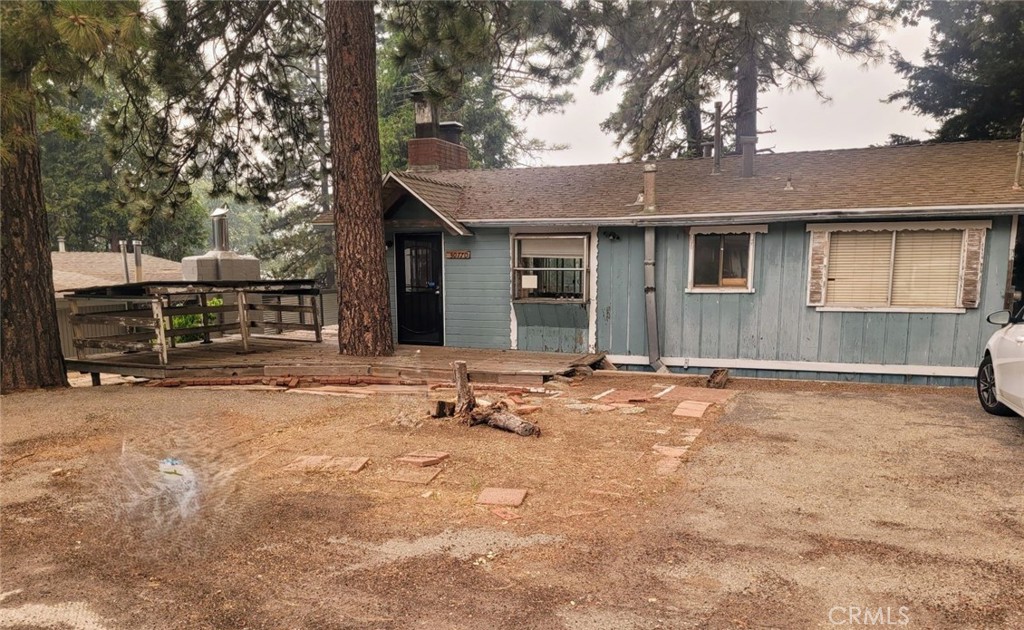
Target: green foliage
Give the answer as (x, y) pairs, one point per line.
(492, 132)
(80, 187)
(48, 48)
(670, 59)
(527, 51)
(972, 77)
(194, 321)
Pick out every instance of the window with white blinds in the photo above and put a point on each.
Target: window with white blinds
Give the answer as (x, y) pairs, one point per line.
(894, 268)
(551, 267)
(926, 269)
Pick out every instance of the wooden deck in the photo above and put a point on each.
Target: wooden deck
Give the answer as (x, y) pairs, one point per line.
(272, 357)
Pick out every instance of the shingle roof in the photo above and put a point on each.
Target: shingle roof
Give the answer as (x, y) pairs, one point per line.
(915, 176)
(76, 270)
(444, 198)
(966, 173)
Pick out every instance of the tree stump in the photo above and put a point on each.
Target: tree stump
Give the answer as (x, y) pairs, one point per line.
(465, 401)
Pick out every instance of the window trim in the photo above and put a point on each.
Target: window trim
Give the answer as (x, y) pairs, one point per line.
(585, 269)
(964, 227)
(750, 231)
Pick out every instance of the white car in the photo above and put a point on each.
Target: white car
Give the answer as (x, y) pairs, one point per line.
(1001, 373)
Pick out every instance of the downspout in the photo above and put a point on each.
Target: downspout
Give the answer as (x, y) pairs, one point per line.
(650, 289)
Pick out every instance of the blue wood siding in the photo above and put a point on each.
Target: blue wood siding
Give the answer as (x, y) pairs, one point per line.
(774, 323)
(478, 291)
(552, 327)
(620, 293)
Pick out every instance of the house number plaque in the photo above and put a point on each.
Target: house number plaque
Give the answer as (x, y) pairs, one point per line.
(457, 254)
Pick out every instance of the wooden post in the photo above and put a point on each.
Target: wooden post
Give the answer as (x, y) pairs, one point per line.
(278, 317)
(243, 319)
(95, 378)
(204, 302)
(161, 338)
(76, 329)
(316, 320)
(465, 400)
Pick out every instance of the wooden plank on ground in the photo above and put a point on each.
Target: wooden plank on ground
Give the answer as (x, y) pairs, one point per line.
(316, 370)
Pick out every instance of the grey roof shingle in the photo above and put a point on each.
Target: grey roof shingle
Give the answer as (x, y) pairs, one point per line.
(76, 270)
(916, 176)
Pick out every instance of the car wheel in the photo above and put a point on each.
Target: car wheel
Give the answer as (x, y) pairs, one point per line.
(987, 389)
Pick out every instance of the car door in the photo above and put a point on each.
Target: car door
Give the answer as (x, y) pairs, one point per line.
(1008, 360)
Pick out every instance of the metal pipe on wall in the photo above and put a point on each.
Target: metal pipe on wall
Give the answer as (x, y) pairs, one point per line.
(651, 303)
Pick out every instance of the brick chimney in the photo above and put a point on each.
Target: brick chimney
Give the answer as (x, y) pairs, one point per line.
(437, 145)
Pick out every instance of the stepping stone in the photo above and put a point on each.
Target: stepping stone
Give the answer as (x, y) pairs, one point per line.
(326, 463)
(308, 462)
(525, 410)
(421, 476)
(701, 394)
(691, 409)
(631, 410)
(671, 451)
(505, 514)
(667, 466)
(690, 435)
(423, 458)
(502, 496)
(348, 464)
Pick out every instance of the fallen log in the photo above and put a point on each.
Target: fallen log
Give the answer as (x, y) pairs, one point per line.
(499, 417)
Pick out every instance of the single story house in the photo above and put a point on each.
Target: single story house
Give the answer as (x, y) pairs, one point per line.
(77, 270)
(875, 264)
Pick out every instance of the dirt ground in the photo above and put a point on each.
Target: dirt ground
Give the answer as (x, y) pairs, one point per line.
(798, 505)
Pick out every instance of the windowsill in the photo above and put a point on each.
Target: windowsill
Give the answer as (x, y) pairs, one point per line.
(718, 290)
(890, 309)
(547, 301)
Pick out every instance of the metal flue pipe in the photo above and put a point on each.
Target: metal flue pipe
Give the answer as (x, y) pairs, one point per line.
(123, 244)
(137, 247)
(220, 229)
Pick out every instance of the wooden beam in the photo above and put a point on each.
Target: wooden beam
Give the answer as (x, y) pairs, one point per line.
(282, 308)
(115, 317)
(123, 369)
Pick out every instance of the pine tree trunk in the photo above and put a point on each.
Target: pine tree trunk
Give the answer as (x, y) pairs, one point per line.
(746, 79)
(31, 352)
(364, 316)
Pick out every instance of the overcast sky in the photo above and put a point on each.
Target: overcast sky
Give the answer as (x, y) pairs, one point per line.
(855, 117)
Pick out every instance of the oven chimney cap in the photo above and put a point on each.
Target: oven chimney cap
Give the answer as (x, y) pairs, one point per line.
(219, 212)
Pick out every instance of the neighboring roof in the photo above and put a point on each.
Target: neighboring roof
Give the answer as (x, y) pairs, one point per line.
(76, 270)
(913, 180)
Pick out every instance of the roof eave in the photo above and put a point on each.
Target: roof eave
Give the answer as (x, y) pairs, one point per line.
(455, 227)
(764, 216)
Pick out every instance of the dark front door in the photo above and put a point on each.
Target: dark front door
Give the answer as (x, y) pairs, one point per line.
(418, 275)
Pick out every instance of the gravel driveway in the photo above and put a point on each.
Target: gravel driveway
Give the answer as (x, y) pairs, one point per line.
(799, 505)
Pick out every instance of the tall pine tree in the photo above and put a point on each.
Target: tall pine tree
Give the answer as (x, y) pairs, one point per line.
(972, 77)
(43, 46)
(670, 59)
